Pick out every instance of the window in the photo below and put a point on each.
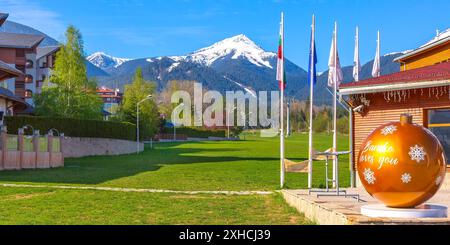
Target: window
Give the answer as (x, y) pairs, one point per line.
(439, 124)
(29, 64)
(28, 78)
(28, 93)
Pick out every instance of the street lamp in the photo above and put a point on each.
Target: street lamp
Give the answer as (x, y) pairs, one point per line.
(137, 120)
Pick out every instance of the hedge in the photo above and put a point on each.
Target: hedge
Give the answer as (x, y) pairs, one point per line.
(74, 127)
(197, 132)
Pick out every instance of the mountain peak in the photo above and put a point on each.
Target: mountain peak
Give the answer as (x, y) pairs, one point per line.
(239, 46)
(105, 61)
(240, 38)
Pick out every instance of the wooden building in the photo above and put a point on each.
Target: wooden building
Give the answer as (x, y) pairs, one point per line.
(421, 88)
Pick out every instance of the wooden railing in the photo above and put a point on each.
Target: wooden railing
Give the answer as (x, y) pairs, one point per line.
(29, 151)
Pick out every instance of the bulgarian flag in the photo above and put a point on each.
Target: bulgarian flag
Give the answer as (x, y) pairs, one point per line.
(281, 74)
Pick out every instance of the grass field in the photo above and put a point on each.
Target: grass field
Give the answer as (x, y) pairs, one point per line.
(252, 164)
(49, 206)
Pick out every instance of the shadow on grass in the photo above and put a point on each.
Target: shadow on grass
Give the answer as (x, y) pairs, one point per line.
(99, 169)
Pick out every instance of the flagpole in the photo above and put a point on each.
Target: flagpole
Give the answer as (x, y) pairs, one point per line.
(356, 55)
(378, 54)
(334, 104)
(376, 69)
(311, 105)
(282, 107)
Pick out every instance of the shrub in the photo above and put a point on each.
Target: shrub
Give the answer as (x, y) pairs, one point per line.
(74, 127)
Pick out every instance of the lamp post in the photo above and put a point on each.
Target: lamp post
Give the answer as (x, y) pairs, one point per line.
(228, 122)
(137, 121)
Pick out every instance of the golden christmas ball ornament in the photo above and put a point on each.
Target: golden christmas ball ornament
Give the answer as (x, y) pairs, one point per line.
(401, 164)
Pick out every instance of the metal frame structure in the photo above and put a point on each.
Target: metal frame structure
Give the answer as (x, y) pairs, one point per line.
(335, 192)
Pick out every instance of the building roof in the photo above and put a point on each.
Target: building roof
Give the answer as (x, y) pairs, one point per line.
(19, 104)
(440, 39)
(45, 51)
(9, 95)
(425, 77)
(6, 71)
(15, 40)
(3, 17)
(104, 89)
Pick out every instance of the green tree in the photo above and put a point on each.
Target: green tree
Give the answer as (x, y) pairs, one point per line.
(135, 92)
(322, 121)
(342, 125)
(68, 92)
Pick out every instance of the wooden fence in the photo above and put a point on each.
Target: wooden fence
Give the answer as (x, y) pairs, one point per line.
(29, 151)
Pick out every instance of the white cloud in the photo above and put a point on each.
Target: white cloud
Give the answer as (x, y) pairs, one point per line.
(32, 14)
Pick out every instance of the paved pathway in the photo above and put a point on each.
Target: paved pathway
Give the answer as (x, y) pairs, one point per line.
(340, 210)
(118, 189)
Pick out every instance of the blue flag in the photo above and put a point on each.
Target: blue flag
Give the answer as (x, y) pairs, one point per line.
(312, 62)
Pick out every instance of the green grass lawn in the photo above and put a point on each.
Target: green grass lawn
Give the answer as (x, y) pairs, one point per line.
(50, 206)
(252, 164)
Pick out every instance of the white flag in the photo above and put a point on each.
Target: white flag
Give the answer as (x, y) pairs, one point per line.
(356, 64)
(334, 68)
(376, 70)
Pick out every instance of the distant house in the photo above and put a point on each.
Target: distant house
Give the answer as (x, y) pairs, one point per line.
(112, 98)
(421, 88)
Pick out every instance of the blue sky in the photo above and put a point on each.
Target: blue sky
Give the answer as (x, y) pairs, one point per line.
(147, 28)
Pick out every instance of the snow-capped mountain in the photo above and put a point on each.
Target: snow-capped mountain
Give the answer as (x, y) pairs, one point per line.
(105, 61)
(236, 47)
(235, 63)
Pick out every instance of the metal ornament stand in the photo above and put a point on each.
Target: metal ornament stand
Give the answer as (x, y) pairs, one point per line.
(336, 192)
